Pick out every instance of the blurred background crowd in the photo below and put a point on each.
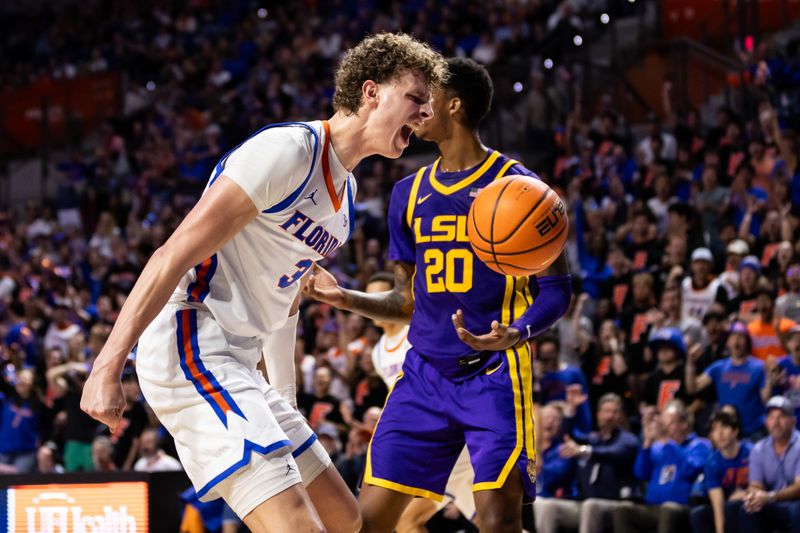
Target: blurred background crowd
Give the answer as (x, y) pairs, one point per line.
(682, 343)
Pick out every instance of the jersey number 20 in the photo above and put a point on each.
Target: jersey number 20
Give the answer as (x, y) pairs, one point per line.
(452, 263)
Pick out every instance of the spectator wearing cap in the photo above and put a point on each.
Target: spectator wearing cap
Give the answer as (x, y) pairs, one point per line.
(670, 467)
(739, 380)
(767, 331)
(773, 497)
(725, 475)
(701, 289)
(604, 474)
(736, 250)
(788, 304)
(787, 379)
(665, 383)
(744, 304)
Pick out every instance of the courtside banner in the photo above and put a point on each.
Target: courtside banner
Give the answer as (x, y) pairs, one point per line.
(114, 507)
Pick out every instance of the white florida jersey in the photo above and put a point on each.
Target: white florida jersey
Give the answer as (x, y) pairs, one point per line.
(388, 355)
(305, 199)
(696, 302)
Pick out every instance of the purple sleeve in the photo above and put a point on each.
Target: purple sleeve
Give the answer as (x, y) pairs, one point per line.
(401, 242)
(555, 293)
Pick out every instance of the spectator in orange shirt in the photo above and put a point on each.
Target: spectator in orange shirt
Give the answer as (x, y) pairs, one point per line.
(767, 331)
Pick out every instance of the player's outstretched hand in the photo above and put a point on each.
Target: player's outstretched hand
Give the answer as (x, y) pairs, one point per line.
(501, 337)
(103, 399)
(322, 286)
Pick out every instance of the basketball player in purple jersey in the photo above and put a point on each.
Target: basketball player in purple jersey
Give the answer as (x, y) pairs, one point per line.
(456, 387)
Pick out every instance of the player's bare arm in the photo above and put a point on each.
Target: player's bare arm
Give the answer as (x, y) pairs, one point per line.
(395, 305)
(555, 278)
(219, 215)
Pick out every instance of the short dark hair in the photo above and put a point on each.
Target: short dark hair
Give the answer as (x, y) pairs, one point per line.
(470, 82)
(381, 276)
(726, 418)
(548, 337)
(713, 315)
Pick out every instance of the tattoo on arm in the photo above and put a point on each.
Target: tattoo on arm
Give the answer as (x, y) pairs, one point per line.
(395, 305)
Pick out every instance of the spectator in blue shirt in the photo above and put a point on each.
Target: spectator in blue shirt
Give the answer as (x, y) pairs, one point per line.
(557, 378)
(725, 475)
(670, 467)
(740, 380)
(19, 422)
(556, 479)
(787, 378)
(604, 473)
(773, 498)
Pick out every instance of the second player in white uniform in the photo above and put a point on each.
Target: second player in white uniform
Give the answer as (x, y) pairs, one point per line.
(225, 286)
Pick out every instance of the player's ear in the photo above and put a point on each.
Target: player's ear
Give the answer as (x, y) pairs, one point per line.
(369, 92)
(455, 105)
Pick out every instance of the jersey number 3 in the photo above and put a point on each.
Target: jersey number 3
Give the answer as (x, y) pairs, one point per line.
(302, 267)
(454, 261)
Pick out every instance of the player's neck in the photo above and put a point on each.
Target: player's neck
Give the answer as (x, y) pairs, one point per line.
(349, 139)
(461, 151)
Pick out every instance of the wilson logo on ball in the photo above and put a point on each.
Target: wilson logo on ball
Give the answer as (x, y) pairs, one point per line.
(551, 220)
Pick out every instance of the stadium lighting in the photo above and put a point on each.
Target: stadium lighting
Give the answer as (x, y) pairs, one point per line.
(262, 13)
(578, 40)
(517, 87)
(150, 86)
(548, 63)
(604, 18)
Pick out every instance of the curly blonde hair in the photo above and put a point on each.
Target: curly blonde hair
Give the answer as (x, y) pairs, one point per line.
(380, 58)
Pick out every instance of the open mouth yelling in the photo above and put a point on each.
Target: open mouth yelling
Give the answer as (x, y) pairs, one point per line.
(405, 133)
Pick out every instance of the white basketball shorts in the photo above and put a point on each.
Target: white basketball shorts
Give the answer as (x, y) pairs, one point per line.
(203, 385)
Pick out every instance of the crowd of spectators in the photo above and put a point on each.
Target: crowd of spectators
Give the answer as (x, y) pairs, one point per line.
(669, 393)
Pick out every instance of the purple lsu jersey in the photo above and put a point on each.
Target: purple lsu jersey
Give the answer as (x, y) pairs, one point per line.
(428, 228)
(437, 406)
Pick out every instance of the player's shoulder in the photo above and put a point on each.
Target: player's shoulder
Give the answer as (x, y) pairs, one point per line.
(517, 168)
(292, 139)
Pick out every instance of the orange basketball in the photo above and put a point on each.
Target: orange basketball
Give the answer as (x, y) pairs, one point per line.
(517, 226)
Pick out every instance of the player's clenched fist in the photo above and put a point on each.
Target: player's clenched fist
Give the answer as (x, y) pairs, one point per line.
(322, 286)
(103, 399)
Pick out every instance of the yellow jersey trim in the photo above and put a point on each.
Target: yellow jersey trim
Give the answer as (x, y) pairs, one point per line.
(455, 187)
(510, 163)
(527, 379)
(391, 485)
(412, 197)
(508, 302)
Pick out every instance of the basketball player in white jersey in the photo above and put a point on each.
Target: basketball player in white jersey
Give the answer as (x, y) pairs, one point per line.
(225, 286)
(387, 358)
(700, 289)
